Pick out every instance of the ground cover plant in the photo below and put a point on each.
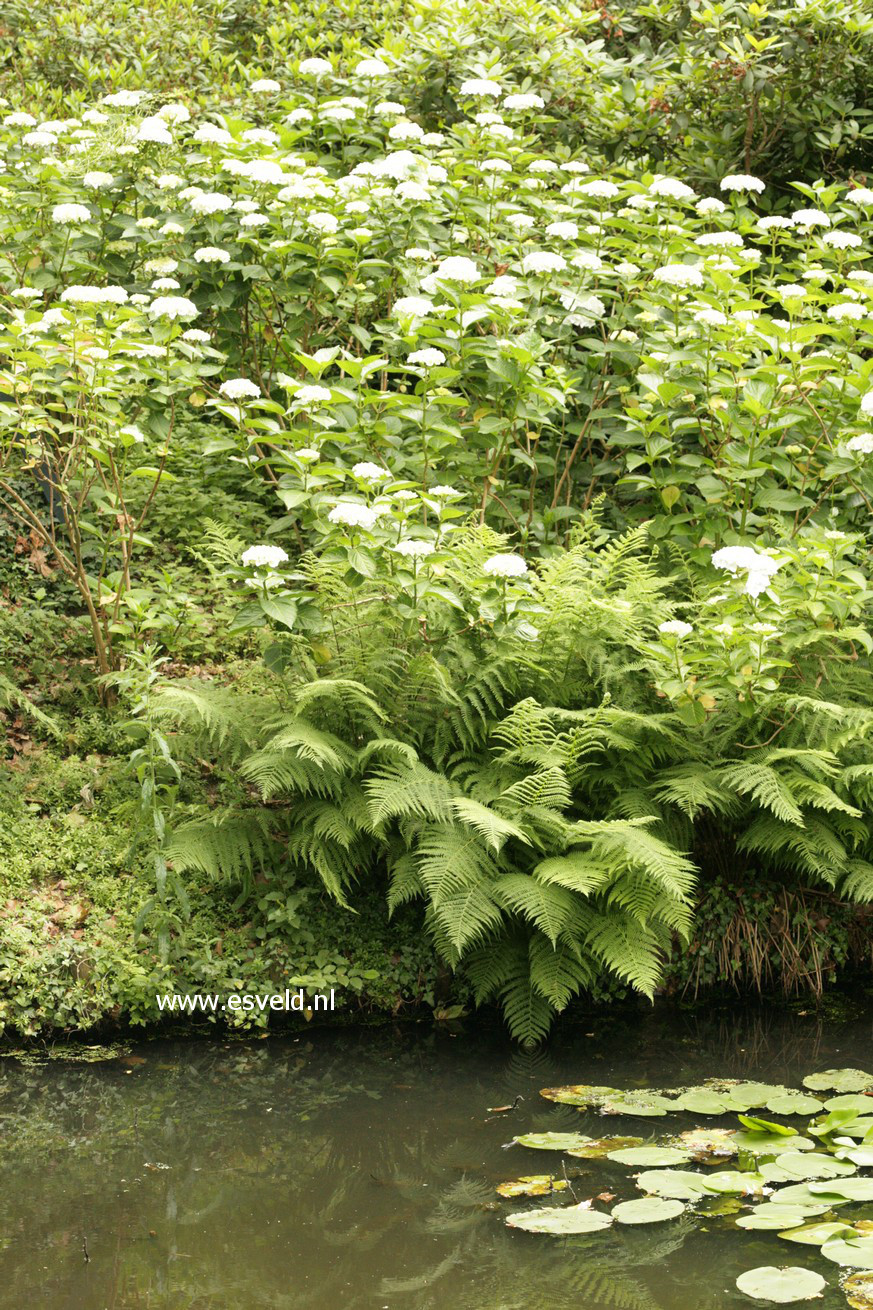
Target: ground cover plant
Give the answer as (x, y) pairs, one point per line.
(451, 491)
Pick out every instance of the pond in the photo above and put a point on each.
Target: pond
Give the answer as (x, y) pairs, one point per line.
(358, 1169)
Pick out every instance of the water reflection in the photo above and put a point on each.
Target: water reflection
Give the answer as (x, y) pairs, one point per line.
(358, 1170)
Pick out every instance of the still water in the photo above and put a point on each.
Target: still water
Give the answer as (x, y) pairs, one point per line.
(339, 1170)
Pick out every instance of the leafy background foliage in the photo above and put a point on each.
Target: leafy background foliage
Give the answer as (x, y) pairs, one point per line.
(566, 793)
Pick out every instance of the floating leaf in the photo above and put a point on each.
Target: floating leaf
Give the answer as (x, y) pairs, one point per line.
(839, 1080)
(862, 1156)
(649, 1105)
(805, 1164)
(818, 1233)
(855, 1252)
(650, 1156)
(677, 1184)
(805, 1194)
(794, 1103)
(857, 1103)
(552, 1141)
(561, 1220)
(708, 1143)
(771, 1144)
(533, 1185)
(859, 1291)
(853, 1189)
(598, 1148)
(647, 1210)
(579, 1094)
(700, 1100)
(730, 1182)
(781, 1285)
(775, 1218)
(750, 1096)
(756, 1125)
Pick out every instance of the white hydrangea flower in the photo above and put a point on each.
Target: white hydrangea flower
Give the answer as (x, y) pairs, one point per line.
(239, 389)
(174, 113)
(847, 312)
(543, 261)
(444, 492)
(482, 87)
(311, 394)
(322, 221)
(315, 67)
(19, 120)
(414, 548)
(412, 307)
(211, 255)
(862, 444)
(196, 336)
(264, 557)
(563, 230)
(841, 240)
(866, 406)
(97, 180)
(505, 566)
(210, 134)
(210, 202)
(711, 318)
(758, 567)
(671, 188)
(370, 472)
(405, 131)
(774, 223)
(308, 454)
(86, 295)
(429, 357)
(861, 195)
(524, 100)
(679, 275)
(124, 99)
(420, 255)
(811, 218)
(741, 182)
(720, 240)
(352, 515)
(598, 190)
(457, 268)
(265, 86)
(69, 215)
(675, 628)
(154, 130)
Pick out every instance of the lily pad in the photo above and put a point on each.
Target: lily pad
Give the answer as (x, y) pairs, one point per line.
(851, 1101)
(561, 1220)
(853, 1189)
(806, 1194)
(648, 1105)
(533, 1185)
(862, 1156)
(817, 1234)
(839, 1080)
(790, 1102)
(775, 1218)
(677, 1184)
(700, 1100)
(756, 1143)
(598, 1148)
(792, 1165)
(706, 1144)
(652, 1157)
(751, 1096)
(729, 1182)
(552, 1141)
(647, 1210)
(855, 1252)
(781, 1285)
(579, 1094)
(859, 1291)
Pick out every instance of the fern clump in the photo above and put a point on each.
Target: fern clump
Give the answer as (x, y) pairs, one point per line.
(546, 761)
